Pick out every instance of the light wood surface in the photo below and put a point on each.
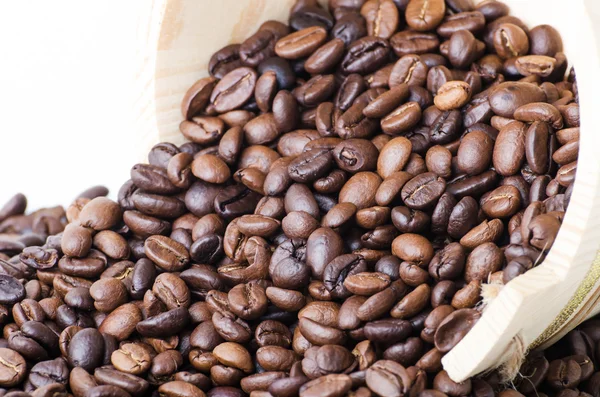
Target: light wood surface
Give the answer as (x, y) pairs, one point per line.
(177, 38)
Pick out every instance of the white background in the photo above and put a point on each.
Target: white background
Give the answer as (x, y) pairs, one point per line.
(66, 86)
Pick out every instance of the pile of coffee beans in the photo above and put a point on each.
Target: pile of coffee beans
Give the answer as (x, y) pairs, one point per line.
(351, 180)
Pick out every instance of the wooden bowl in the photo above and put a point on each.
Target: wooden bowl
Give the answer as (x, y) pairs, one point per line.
(177, 38)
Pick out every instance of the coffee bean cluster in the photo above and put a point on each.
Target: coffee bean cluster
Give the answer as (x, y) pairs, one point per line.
(569, 368)
(351, 180)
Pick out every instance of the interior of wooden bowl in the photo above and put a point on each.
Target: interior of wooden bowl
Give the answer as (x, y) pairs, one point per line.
(183, 34)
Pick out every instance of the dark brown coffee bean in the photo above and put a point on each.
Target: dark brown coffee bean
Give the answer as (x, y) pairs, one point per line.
(412, 42)
(413, 248)
(563, 374)
(424, 15)
(365, 55)
(248, 301)
(224, 61)
(387, 102)
(388, 378)
(353, 123)
(325, 57)
(439, 161)
(360, 190)
(164, 324)
(166, 253)
(412, 303)
(482, 261)
(12, 368)
(473, 21)
(423, 190)
(332, 385)
(381, 16)
(511, 139)
(407, 220)
(462, 49)
(301, 43)
(510, 41)
(454, 327)
(445, 128)
(356, 155)
(409, 70)
(198, 96)
(311, 165)
(443, 383)
(507, 97)
(350, 27)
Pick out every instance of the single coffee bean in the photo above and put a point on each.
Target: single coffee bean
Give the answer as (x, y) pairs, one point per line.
(423, 190)
(365, 55)
(510, 41)
(388, 378)
(422, 15)
(325, 57)
(453, 95)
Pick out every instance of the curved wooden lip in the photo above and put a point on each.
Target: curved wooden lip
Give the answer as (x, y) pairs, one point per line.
(540, 294)
(529, 303)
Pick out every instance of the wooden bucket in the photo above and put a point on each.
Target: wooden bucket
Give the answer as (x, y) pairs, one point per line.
(177, 38)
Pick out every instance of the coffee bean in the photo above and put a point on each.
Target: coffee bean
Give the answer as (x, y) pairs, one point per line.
(439, 161)
(423, 190)
(301, 43)
(353, 123)
(381, 16)
(332, 385)
(453, 95)
(506, 98)
(351, 88)
(443, 383)
(425, 15)
(413, 42)
(510, 41)
(349, 28)
(387, 102)
(393, 156)
(311, 165)
(12, 368)
(409, 70)
(413, 248)
(388, 378)
(325, 57)
(356, 155)
(365, 55)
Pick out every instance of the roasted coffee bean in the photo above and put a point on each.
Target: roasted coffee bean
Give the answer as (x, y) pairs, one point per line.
(462, 49)
(388, 378)
(12, 369)
(453, 95)
(425, 15)
(393, 156)
(365, 55)
(506, 98)
(311, 165)
(423, 190)
(224, 61)
(355, 155)
(445, 127)
(349, 28)
(353, 123)
(510, 41)
(325, 57)
(402, 119)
